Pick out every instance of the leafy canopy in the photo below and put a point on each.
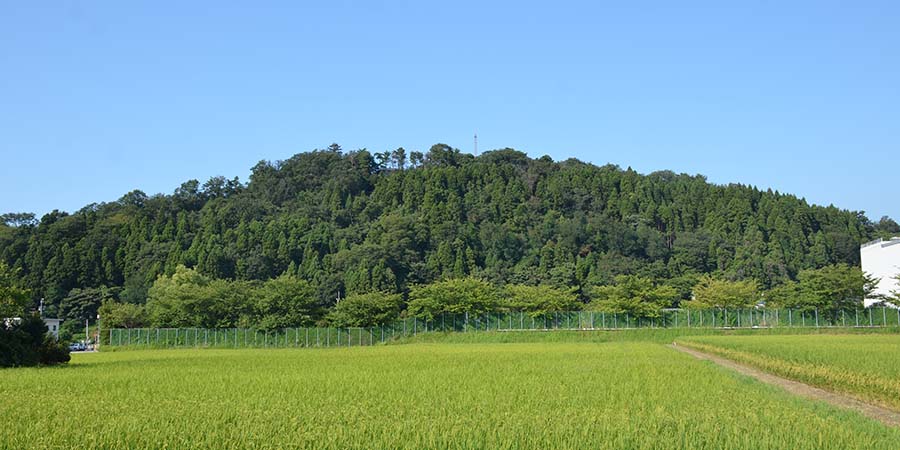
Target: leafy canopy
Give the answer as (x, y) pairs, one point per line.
(829, 288)
(458, 295)
(710, 292)
(634, 295)
(540, 300)
(366, 310)
(13, 298)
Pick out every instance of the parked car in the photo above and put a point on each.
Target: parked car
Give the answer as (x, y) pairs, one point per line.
(77, 347)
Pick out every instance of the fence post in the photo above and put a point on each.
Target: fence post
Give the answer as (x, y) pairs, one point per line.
(817, 317)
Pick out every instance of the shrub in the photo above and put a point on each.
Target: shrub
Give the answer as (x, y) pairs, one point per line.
(26, 343)
(365, 310)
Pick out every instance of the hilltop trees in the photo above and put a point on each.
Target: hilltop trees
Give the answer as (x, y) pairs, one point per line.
(18, 219)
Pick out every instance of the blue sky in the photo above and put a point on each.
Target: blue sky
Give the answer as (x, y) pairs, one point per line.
(99, 98)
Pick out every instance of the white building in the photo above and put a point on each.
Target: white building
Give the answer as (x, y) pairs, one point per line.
(52, 324)
(881, 259)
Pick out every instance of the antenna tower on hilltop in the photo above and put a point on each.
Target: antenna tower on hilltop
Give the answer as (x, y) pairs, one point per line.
(476, 144)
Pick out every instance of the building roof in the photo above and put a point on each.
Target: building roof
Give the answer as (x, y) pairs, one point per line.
(881, 243)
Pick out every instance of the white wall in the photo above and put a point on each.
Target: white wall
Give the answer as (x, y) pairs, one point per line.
(882, 260)
(53, 326)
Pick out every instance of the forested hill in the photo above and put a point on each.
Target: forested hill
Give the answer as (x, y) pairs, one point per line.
(352, 222)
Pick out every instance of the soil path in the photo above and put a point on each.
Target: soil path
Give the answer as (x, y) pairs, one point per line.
(883, 415)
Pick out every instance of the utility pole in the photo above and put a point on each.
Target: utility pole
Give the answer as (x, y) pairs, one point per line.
(476, 144)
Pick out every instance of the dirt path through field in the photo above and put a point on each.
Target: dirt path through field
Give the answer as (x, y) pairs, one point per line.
(883, 415)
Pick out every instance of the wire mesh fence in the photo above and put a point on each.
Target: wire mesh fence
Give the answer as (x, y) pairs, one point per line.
(508, 321)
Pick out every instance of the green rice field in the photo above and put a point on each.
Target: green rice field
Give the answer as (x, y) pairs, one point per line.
(867, 367)
(639, 395)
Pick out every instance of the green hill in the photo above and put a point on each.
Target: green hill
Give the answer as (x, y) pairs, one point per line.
(353, 222)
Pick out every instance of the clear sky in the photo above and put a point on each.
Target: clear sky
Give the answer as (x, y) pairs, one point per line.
(98, 98)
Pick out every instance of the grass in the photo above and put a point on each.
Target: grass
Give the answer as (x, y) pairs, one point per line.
(545, 395)
(867, 367)
(657, 335)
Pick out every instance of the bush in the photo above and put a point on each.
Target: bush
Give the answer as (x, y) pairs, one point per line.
(633, 295)
(456, 296)
(27, 343)
(540, 301)
(366, 310)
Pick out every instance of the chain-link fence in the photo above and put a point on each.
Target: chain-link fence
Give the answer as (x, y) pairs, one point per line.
(510, 321)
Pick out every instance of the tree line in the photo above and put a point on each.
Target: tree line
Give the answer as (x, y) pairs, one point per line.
(189, 299)
(333, 224)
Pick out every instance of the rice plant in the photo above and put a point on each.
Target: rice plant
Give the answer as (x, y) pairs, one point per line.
(866, 366)
(547, 395)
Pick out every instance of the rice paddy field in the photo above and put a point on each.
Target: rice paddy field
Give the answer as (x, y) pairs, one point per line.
(639, 395)
(867, 367)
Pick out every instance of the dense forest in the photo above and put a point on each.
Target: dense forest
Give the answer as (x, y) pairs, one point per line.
(356, 222)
